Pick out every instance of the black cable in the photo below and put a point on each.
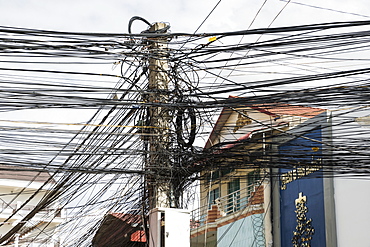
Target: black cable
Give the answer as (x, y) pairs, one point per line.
(136, 18)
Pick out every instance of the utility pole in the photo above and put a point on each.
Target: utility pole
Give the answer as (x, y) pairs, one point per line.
(168, 225)
(159, 163)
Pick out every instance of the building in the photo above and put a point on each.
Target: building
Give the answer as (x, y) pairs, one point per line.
(166, 227)
(267, 181)
(264, 184)
(118, 229)
(17, 186)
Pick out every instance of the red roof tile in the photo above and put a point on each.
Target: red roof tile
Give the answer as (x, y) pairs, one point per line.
(285, 109)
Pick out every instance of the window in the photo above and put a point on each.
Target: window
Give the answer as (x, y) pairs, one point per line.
(225, 171)
(252, 179)
(213, 176)
(213, 195)
(233, 201)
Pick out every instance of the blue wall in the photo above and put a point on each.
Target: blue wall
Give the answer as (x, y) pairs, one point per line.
(306, 152)
(246, 232)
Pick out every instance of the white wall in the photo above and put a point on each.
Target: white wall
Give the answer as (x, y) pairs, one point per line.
(9, 192)
(352, 206)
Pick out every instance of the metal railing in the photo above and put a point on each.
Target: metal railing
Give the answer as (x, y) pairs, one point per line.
(198, 217)
(226, 205)
(11, 208)
(235, 201)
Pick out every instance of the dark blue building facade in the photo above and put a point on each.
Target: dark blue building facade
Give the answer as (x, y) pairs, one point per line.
(301, 175)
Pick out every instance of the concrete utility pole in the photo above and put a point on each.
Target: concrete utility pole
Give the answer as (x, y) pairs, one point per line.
(168, 226)
(159, 189)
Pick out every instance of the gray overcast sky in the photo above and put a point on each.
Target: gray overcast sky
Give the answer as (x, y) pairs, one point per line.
(183, 15)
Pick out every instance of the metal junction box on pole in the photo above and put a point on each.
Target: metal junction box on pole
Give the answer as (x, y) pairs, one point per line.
(169, 227)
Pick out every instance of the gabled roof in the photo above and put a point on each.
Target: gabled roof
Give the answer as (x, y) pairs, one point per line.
(119, 229)
(249, 134)
(274, 110)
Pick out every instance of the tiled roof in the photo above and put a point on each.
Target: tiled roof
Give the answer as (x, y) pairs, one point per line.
(272, 109)
(120, 229)
(289, 110)
(128, 218)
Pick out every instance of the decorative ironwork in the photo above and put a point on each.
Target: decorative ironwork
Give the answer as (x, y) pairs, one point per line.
(242, 120)
(304, 229)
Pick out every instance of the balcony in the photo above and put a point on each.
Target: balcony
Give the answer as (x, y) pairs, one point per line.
(55, 215)
(233, 205)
